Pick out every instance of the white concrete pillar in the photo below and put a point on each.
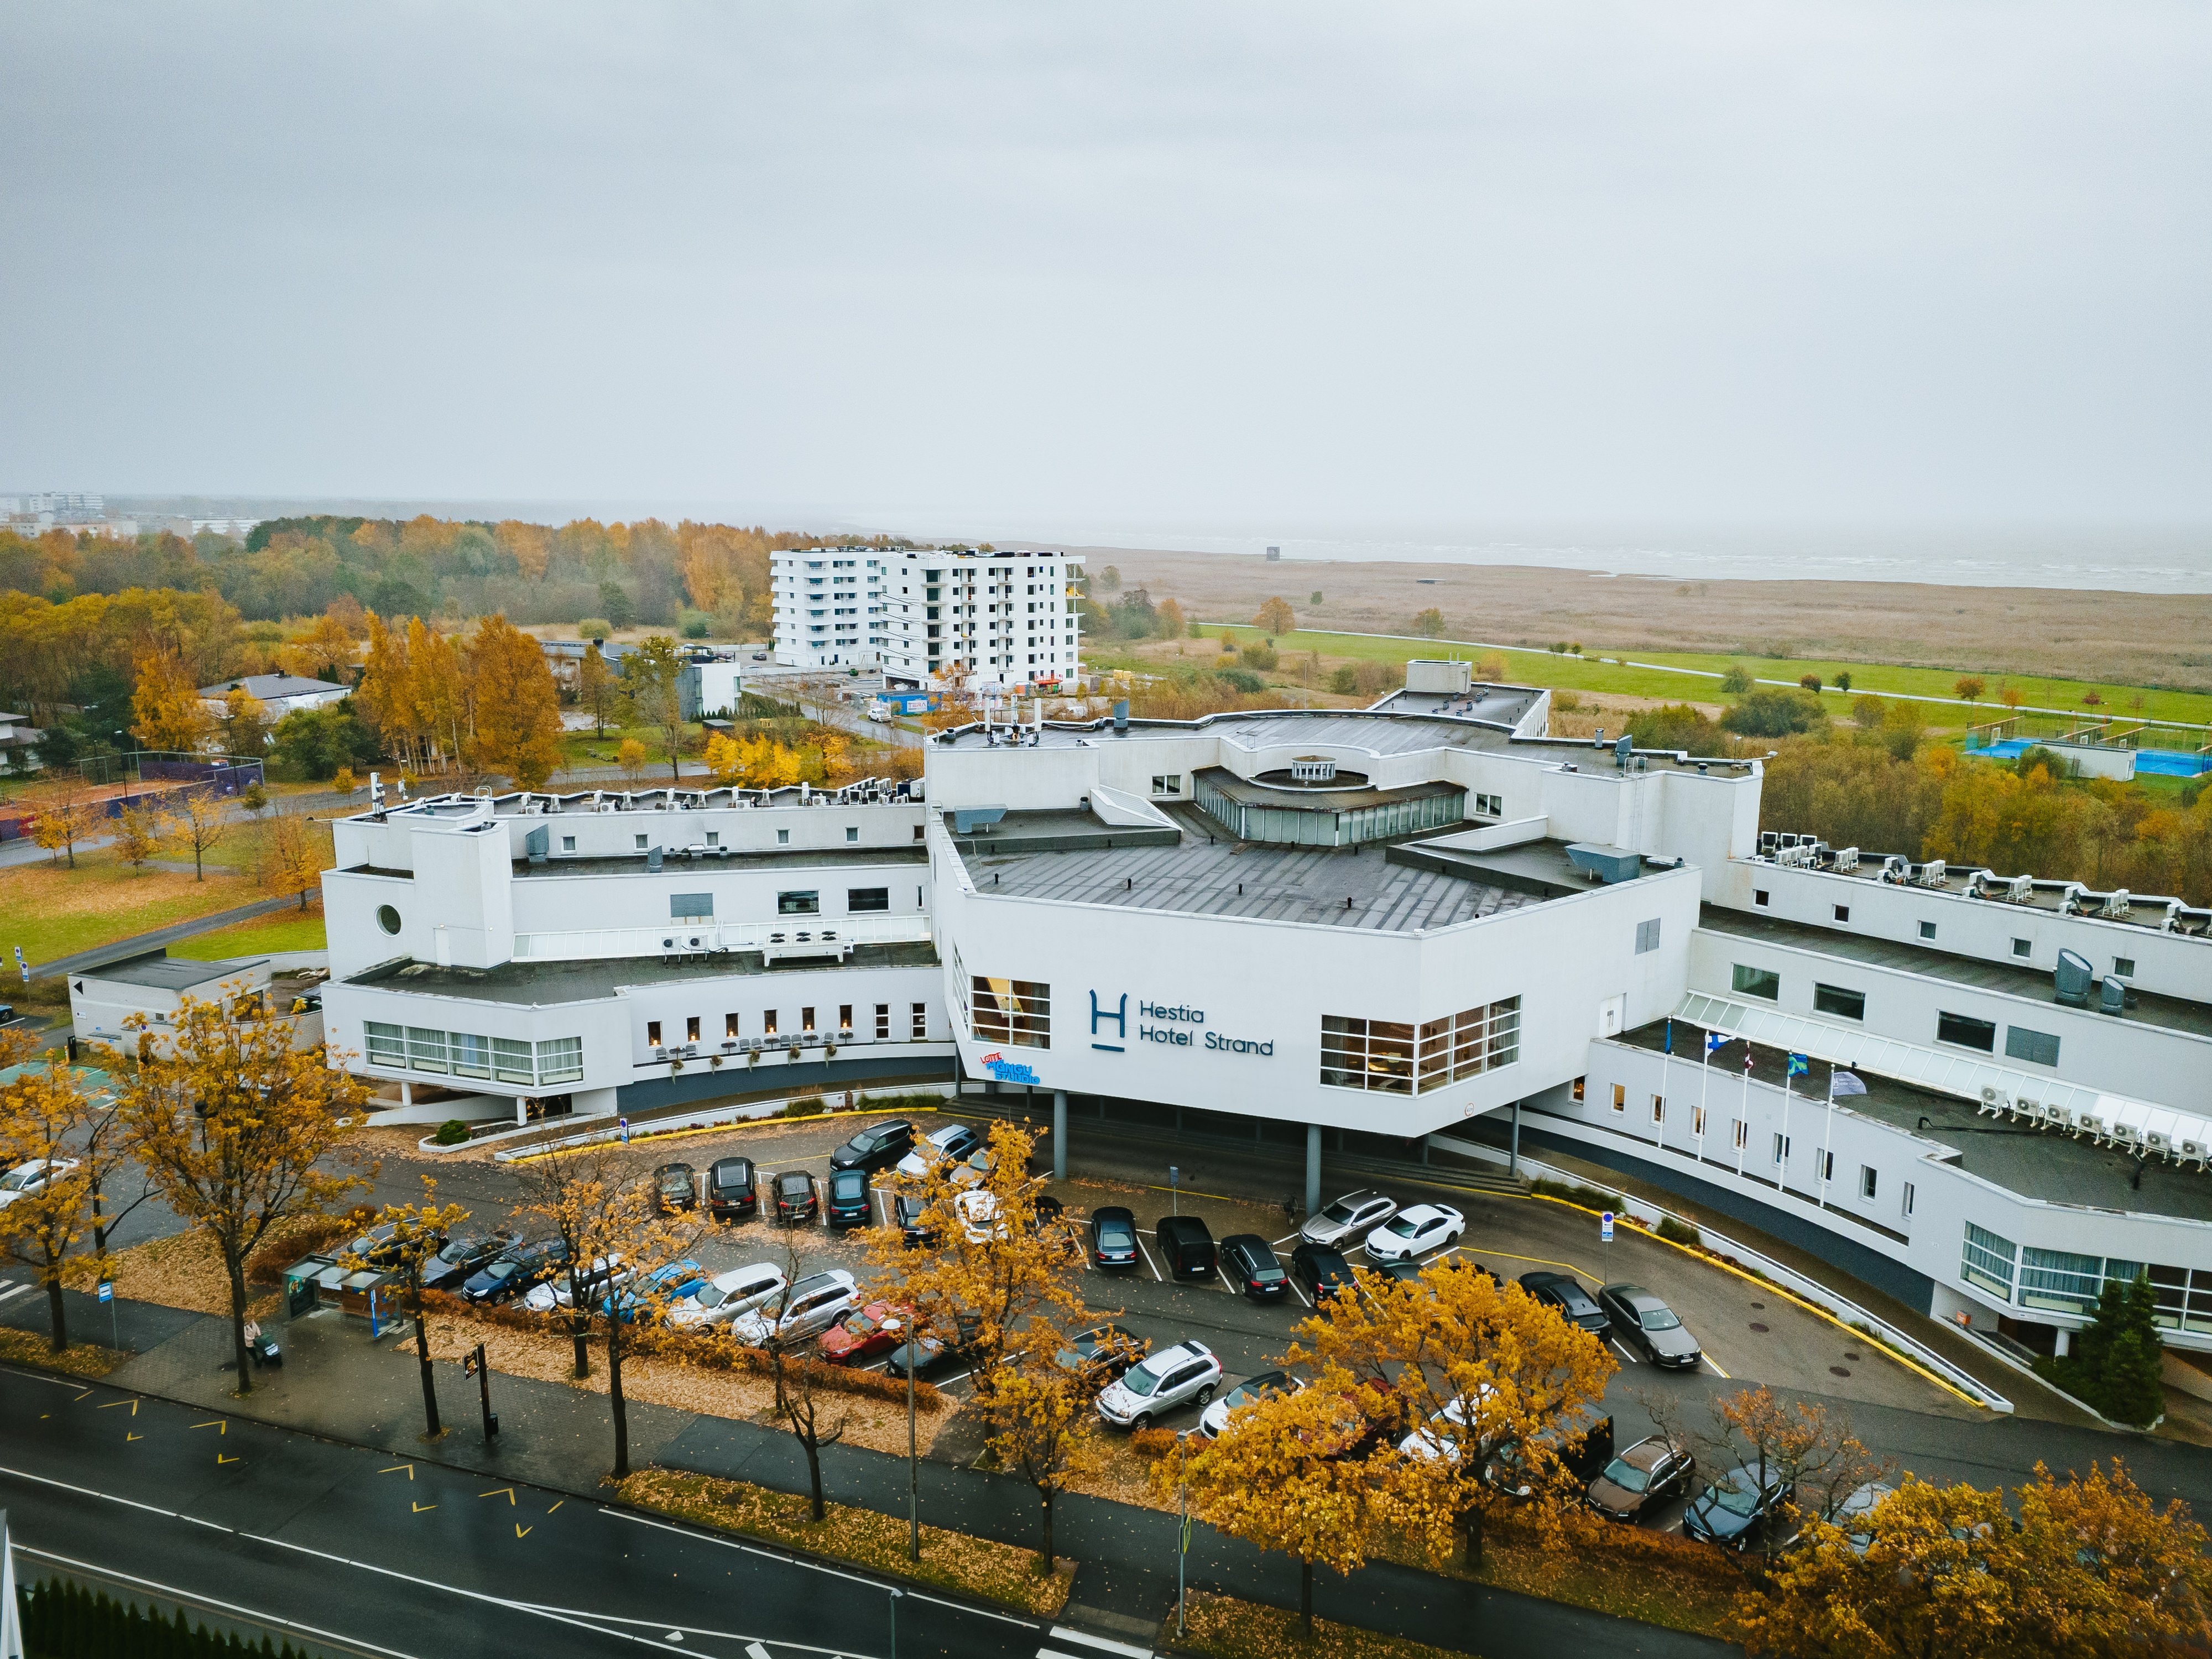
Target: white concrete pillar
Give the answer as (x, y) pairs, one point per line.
(1313, 1168)
(1060, 1134)
(2065, 1341)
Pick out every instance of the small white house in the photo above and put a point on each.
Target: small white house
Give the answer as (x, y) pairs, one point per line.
(280, 693)
(19, 743)
(154, 984)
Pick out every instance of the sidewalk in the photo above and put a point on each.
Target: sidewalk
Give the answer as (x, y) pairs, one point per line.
(117, 949)
(339, 1383)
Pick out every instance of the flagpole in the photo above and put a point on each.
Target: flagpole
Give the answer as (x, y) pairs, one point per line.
(1744, 1109)
(1705, 1083)
(1666, 1061)
(1782, 1173)
(1828, 1136)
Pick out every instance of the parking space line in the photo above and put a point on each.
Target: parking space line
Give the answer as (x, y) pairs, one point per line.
(1546, 1261)
(1297, 1292)
(1614, 1342)
(1716, 1365)
(1224, 1277)
(1285, 1238)
(1149, 1262)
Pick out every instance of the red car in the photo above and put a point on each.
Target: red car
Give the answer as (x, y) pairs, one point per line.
(875, 1329)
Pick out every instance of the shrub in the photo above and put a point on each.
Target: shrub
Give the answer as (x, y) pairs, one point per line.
(595, 628)
(1737, 680)
(254, 799)
(452, 1133)
(1679, 1232)
(1774, 711)
(1242, 679)
(1678, 726)
(806, 1106)
(1262, 657)
(266, 1265)
(696, 624)
(1343, 681)
(1589, 1198)
(1152, 1442)
(343, 781)
(1810, 682)
(1566, 701)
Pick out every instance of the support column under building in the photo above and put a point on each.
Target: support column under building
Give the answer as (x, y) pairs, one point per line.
(1513, 1155)
(1060, 1134)
(1313, 1168)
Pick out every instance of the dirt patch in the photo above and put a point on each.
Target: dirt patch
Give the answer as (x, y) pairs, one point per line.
(184, 1270)
(78, 1359)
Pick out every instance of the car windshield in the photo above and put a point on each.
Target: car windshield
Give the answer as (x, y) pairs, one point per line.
(1735, 1493)
(1660, 1319)
(503, 1268)
(1141, 1382)
(863, 1142)
(1405, 1227)
(676, 1180)
(1116, 1231)
(1255, 1390)
(1627, 1476)
(1341, 1213)
(16, 1180)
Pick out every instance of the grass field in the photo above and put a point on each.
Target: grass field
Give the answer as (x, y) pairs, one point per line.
(280, 930)
(1589, 673)
(55, 911)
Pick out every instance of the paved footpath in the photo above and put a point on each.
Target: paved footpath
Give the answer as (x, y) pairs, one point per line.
(338, 1385)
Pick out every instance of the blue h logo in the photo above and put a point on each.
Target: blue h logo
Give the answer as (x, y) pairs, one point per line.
(1121, 1018)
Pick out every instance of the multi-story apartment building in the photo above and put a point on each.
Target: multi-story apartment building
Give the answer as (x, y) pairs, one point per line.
(828, 606)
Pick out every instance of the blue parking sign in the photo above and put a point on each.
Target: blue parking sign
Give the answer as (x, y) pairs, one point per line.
(106, 1291)
(1605, 1228)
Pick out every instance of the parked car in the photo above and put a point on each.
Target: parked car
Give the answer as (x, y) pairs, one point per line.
(1323, 1271)
(382, 1247)
(514, 1272)
(606, 1273)
(666, 1285)
(1250, 1392)
(676, 1186)
(731, 1189)
(851, 1204)
(954, 1141)
(1104, 1352)
(796, 1199)
(727, 1295)
(1641, 1479)
(1186, 1374)
(1250, 1262)
(974, 1170)
(876, 1328)
(1113, 1238)
(29, 1179)
(1400, 1272)
(979, 1217)
(1566, 1293)
(1648, 1325)
(1431, 1442)
(926, 1358)
(807, 1308)
(1736, 1508)
(909, 1209)
(1349, 1218)
(876, 1147)
(1416, 1231)
(461, 1255)
(1186, 1246)
(1850, 1513)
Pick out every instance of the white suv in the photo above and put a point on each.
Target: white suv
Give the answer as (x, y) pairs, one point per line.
(1185, 1375)
(807, 1308)
(737, 1292)
(1350, 1218)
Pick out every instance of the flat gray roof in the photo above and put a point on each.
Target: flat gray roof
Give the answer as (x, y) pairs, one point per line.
(2055, 1168)
(676, 861)
(1379, 734)
(2174, 1013)
(534, 984)
(1207, 873)
(163, 972)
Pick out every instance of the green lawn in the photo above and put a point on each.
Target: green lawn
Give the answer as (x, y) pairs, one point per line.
(280, 930)
(54, 911)
(1589, 673)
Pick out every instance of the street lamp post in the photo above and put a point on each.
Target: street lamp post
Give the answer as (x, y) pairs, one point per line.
(896, 1595)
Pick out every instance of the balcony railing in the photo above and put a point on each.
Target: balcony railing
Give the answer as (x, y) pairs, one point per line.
(796, 936)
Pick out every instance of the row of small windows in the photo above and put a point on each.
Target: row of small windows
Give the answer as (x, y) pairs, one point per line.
(2061, 1282)
(462, 1054)
(1960, 1030)
(771, 1022)
(1014, 1012)
(2023, 950)
(1396, 1057)
(801, 902)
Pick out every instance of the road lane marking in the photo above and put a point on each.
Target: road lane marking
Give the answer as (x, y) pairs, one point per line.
(1298, 1294)
(1614, 1343)
(521, 1531)
(1149, 1262)
(496, 1490)
(127, 1438)
(421, 1508)
(220, 1459)
(396, 1467)
(755, 1650)
(220, 1425)
(87, 1492)
(1285, 1238)
(1225, 1285)
(15, 1288)
(1716, 1365)
(556, 1505)
(58, 1381)
(113, 1404)
(1104, 1645)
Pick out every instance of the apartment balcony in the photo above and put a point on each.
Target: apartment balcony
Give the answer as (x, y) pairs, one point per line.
(794, 936)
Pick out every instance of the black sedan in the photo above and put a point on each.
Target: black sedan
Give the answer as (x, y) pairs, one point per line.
(1566, 1293)
(379, 1248)
(676, 1187)
(1649, 1326)
(1403, 1272)
(1735, 1509)
(1635, 1483)
(1249, 1261)
(1104, 1353)
(925, 1356)
(1323, 1271)
(1113, 1238)
(514, 1272)
(463, 1253)
(796, 1200)
(909, 1211)
(876, 1147)
(850, 1204)
(731, 1189)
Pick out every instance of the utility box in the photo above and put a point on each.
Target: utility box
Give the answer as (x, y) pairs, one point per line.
(1606, 864)
(1439, 678)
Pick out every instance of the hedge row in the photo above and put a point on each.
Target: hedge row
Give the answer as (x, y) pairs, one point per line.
(68, 1621)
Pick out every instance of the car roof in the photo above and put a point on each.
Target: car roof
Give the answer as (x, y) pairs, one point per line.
(1421, 1212)
(1636, 1296)
(788, 1176)
(738, 1275)
(1245, 1242)
(1646, 1452)
(1183, 1224)
(1113, 1213)
(827, 1276)
(949, 1133)
(888, 1123)
(725, 1162)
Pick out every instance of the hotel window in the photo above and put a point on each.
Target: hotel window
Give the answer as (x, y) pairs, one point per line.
(1367, 1053)
(1698, 1122)
(1966, 1031)
(1170, 785)
(568, 843)
(1658, 1109)
(1473, 1041)
(691, 906)
(806, 904)
(426, 1050)
(1928, 930)
(561, 1060)
(1782, 1148)
(2022, 948)
(852, 832)
(387, 1044)
(783, 838)
(511, 1063)
(1742, 1133)
(921, 1022)
(1580, 1089)
(714, 838)
(1843, 912)
(471, 1055)
(1621, 1098)
(1988, 1262)
(640, 840)
(859, 899)
(691, 1029)
(845, 1017)
(1868, 1180)
(1491, 806)
(653, 1033)
(1834, 999)
(1756, 982)
(2037, 1047)
(1015, 1011)
(922, 832)
(1759, 896)
(1907, 1210)
(883, 1022)
(1647, 936)
(1827, 1168)
(2125, 966)
(806, 1019)
(767, 1022)
(729, 1025)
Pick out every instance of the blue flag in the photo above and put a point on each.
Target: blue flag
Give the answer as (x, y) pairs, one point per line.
(1670, 1036)
(1714, 1040)
(1798, 1066)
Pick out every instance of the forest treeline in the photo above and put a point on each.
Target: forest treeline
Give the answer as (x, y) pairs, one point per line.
(646, 572)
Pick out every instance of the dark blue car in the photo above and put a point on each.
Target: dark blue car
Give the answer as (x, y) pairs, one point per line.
(671, 1283)
(514, 1272)
(1734, 1509)
(849, 1203)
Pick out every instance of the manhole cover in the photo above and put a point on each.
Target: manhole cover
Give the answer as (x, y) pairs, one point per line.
(1837, 1370)
(1758, 1307)
(1756, 1326)
(1853, 1358)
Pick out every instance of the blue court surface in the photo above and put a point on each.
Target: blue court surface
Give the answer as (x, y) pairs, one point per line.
(2166, 763)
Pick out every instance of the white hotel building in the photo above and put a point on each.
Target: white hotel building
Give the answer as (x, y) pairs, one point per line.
(930, 616)
(1427, 916)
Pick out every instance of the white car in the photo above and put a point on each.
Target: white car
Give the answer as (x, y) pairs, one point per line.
(807, 1308)
(977, 1210)
(1349, 1217)
(954, 1140)
(1186, 1374)
(608, 1272)
(737, 1292)
(1250, 1392)
(1428, 1443)
(26, 1180)
(1413, 1233)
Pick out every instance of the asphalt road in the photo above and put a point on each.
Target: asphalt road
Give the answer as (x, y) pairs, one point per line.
(363, 1552)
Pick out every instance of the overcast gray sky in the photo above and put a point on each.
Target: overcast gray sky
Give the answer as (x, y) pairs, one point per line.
(1354, 263)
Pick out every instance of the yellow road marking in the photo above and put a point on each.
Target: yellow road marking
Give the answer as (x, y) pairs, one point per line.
(133, 1436)
(220, 1459)
(496, 1492)
(113, 1404)
(220, 1427)
(557, 1503)
(1716, 1365)
(1541, 1261)
(521, 1531)
(419, 1508)
(396, 1467)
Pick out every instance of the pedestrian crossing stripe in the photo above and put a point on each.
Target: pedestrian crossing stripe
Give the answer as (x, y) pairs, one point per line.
(1089, 1647)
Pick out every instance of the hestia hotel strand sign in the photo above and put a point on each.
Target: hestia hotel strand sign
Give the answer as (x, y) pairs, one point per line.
(1174, 1026)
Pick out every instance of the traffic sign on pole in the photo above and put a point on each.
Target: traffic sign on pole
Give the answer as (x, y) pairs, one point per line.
(1605, 1228)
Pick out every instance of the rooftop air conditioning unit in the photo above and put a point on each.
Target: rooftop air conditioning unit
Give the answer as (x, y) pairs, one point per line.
(1994, 1100)
(2114, 904)
(1932, 873)
(1847, 858)
(2020, 890)
(1896, 868)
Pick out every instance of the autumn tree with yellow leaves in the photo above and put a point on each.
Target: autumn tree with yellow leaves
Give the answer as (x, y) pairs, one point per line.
(1276, 618)
(245, 723)
(238, 1126)
(42, 1114)
(200, 824)
(1488, 1380)
(758, 762)
(515, 707)
(2091, 1567)
(140, 829)
(66, 820)
(296, 850)
(167, 711)
(1044, 1427)
(595, 688)
(325, 653)
(417, 1233)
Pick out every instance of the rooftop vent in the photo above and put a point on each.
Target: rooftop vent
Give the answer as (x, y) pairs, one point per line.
(2072, 979)
(1313, 768)
(1121, 715)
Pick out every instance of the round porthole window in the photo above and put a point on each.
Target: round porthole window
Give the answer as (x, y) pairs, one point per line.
(387, 918)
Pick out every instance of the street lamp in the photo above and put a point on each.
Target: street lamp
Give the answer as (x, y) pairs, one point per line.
(896, 1595)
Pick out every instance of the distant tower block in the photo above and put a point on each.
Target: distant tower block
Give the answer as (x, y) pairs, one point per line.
(1275, 556)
